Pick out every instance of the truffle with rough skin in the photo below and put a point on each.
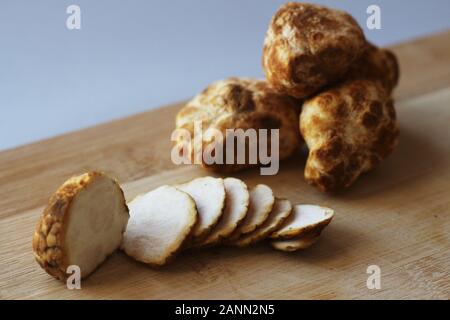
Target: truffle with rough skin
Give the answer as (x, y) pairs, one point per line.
(349, 129)
(238, 104)
(376, 64)
(309, 46)
(82, 225)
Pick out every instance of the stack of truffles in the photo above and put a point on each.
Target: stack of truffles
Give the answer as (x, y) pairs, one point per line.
(325, 85)
(322, 77)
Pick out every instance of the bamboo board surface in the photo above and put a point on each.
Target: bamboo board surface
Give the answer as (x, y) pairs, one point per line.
(396, 217)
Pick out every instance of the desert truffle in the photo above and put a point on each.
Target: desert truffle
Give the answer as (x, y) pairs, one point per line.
(237, 104)
(309, 46)
(82, 225)
(349, 130)
(376, 64)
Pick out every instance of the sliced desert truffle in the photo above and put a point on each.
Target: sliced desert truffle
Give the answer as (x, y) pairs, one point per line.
(261, 204)
(308, 46)
(231, 113)
(236, 206)
(160, 221)
(301, 242)
(209, 196)
(376, 64)
(280, 212)
(305, 218)
(82, 225)
(349, 129)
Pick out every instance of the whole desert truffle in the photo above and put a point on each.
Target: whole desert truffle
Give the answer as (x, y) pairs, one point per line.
(82, 225)
(349, 130)
(376, 64)
(238, 104)
(308, 46)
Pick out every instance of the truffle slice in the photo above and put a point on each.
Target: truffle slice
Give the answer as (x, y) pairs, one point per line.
(305, 218)
(82, 225)
(236, 206)
(291, 245)
(261, 203)
(209, 196)
(160, 222)
(280, 212)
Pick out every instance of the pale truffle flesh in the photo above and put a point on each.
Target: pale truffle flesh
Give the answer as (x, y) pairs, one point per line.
(209, 196)
(236, 206)
(294, 244)
(160, 222)
(261, 203)
(280, 212)
(305, 218)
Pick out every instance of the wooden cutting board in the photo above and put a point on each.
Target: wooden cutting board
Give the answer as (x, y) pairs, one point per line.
(397, 217)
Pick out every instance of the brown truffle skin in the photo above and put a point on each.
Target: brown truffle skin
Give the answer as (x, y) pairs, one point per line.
(237, 103)
(349, 130)
(309, 46)
(376, 64)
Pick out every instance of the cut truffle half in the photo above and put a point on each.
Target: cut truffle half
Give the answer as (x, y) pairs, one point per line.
(236, 206)
(261, 204)
(82, 225)
(280, 212)
(209, 196)
(160, 222)
(305, 218)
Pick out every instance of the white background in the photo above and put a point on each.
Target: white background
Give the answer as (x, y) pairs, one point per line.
(131, 56)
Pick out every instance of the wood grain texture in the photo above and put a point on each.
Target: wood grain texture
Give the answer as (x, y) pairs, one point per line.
(396, 217)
